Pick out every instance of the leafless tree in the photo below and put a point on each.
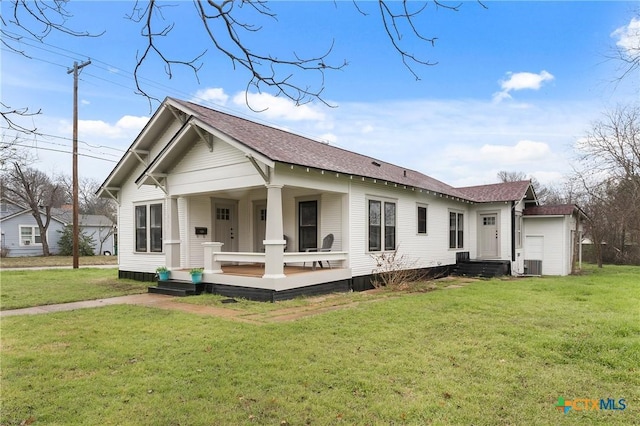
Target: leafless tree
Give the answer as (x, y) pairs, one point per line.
(34, 189)
(542, 192)
(609, 172)
(88, 201)
(228, 27)
(627, 50)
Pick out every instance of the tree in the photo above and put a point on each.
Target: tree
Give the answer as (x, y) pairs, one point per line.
(609, 160)
(65, 243)
(88, 201)
(542, 192)
(627, 50)
(35, 190)
(226, 26)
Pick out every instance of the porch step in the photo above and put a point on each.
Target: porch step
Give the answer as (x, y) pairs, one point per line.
(177, 288)
(480, 268)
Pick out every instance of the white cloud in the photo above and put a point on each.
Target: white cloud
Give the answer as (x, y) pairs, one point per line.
(277, 108)
(212, 94)
(85, 102)
(521, 81)
(126, 127)
(520, 152)
(629, 37)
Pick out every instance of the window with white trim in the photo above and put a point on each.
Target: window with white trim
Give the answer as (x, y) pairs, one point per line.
(381, 214)
(518, 219)
(456, 230)
(422, 219)
(148, 224)
(30, 235)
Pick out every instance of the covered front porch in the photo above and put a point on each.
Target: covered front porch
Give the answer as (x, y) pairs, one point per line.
(266, 237)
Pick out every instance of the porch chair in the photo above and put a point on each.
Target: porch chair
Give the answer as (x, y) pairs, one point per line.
(327, 243)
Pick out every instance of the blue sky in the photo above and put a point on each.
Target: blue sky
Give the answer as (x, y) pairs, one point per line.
(514, 87)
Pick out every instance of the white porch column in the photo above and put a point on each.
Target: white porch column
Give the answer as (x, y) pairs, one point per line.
(172, 234)
(274, 241)
(212, 266)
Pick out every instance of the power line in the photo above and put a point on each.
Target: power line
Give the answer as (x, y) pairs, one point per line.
(65, 152)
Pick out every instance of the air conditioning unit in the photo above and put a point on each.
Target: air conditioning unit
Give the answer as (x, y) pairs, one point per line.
(26, 242)
(532, 267)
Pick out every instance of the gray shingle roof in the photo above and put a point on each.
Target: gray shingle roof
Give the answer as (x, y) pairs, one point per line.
(279, 145)
(550, 210)
(508, 191)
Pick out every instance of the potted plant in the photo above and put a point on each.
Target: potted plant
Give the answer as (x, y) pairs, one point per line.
(196, 275)
(163, 273)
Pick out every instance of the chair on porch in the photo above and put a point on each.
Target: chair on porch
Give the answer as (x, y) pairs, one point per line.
(327, 243)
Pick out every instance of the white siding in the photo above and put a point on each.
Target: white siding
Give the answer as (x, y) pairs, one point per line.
(128, 258)
(201, 170)
(421, 251)
(556, 233)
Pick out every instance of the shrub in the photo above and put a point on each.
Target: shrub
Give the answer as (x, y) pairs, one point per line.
(85, 243)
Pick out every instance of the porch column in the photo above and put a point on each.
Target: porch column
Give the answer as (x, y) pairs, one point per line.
(212, 266)
(274, 242)
(172, 233)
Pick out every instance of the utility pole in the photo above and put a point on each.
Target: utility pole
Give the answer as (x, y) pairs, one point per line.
(76, 225)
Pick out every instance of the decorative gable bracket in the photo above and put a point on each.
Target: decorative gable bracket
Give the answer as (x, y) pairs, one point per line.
(142, 156)
(263, 172)
(157, 179)
(206, 137)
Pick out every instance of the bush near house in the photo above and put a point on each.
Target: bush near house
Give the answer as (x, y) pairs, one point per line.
(65, 244)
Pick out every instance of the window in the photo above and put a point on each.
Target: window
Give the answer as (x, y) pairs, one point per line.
(389, 226)
(30, 235)
(456, 230)
(308, 224)
(518, 231)
(422, 220)
(375, 221)
(148, 220)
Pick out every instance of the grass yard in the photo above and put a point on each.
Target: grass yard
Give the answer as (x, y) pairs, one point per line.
(497, 352)
(43, 262)
(25, 288)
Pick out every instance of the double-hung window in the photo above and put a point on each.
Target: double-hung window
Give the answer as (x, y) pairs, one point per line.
(148, 222)
(456, 230)
(30, 235)
(381, 225)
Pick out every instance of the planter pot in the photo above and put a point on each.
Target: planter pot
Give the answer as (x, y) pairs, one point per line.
(163, 276)
(196, 278)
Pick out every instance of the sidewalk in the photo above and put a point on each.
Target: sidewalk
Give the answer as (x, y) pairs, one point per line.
(160, 301)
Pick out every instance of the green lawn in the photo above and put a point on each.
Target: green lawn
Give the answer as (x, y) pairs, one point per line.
(41, 261)
(496, 352)
(25, 288)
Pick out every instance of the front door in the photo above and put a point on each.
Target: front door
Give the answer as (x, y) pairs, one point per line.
(225, 224)
(488, 236)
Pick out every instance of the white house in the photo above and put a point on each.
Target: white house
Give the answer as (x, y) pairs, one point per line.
(202, 188)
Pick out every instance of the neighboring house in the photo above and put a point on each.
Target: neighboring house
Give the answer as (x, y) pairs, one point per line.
(201, 188)
(21, 235)
(98, 227)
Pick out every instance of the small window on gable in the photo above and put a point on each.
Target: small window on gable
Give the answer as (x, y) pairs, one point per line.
(422, 219)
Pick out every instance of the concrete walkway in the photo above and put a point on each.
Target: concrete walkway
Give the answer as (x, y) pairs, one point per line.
(147, 299)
